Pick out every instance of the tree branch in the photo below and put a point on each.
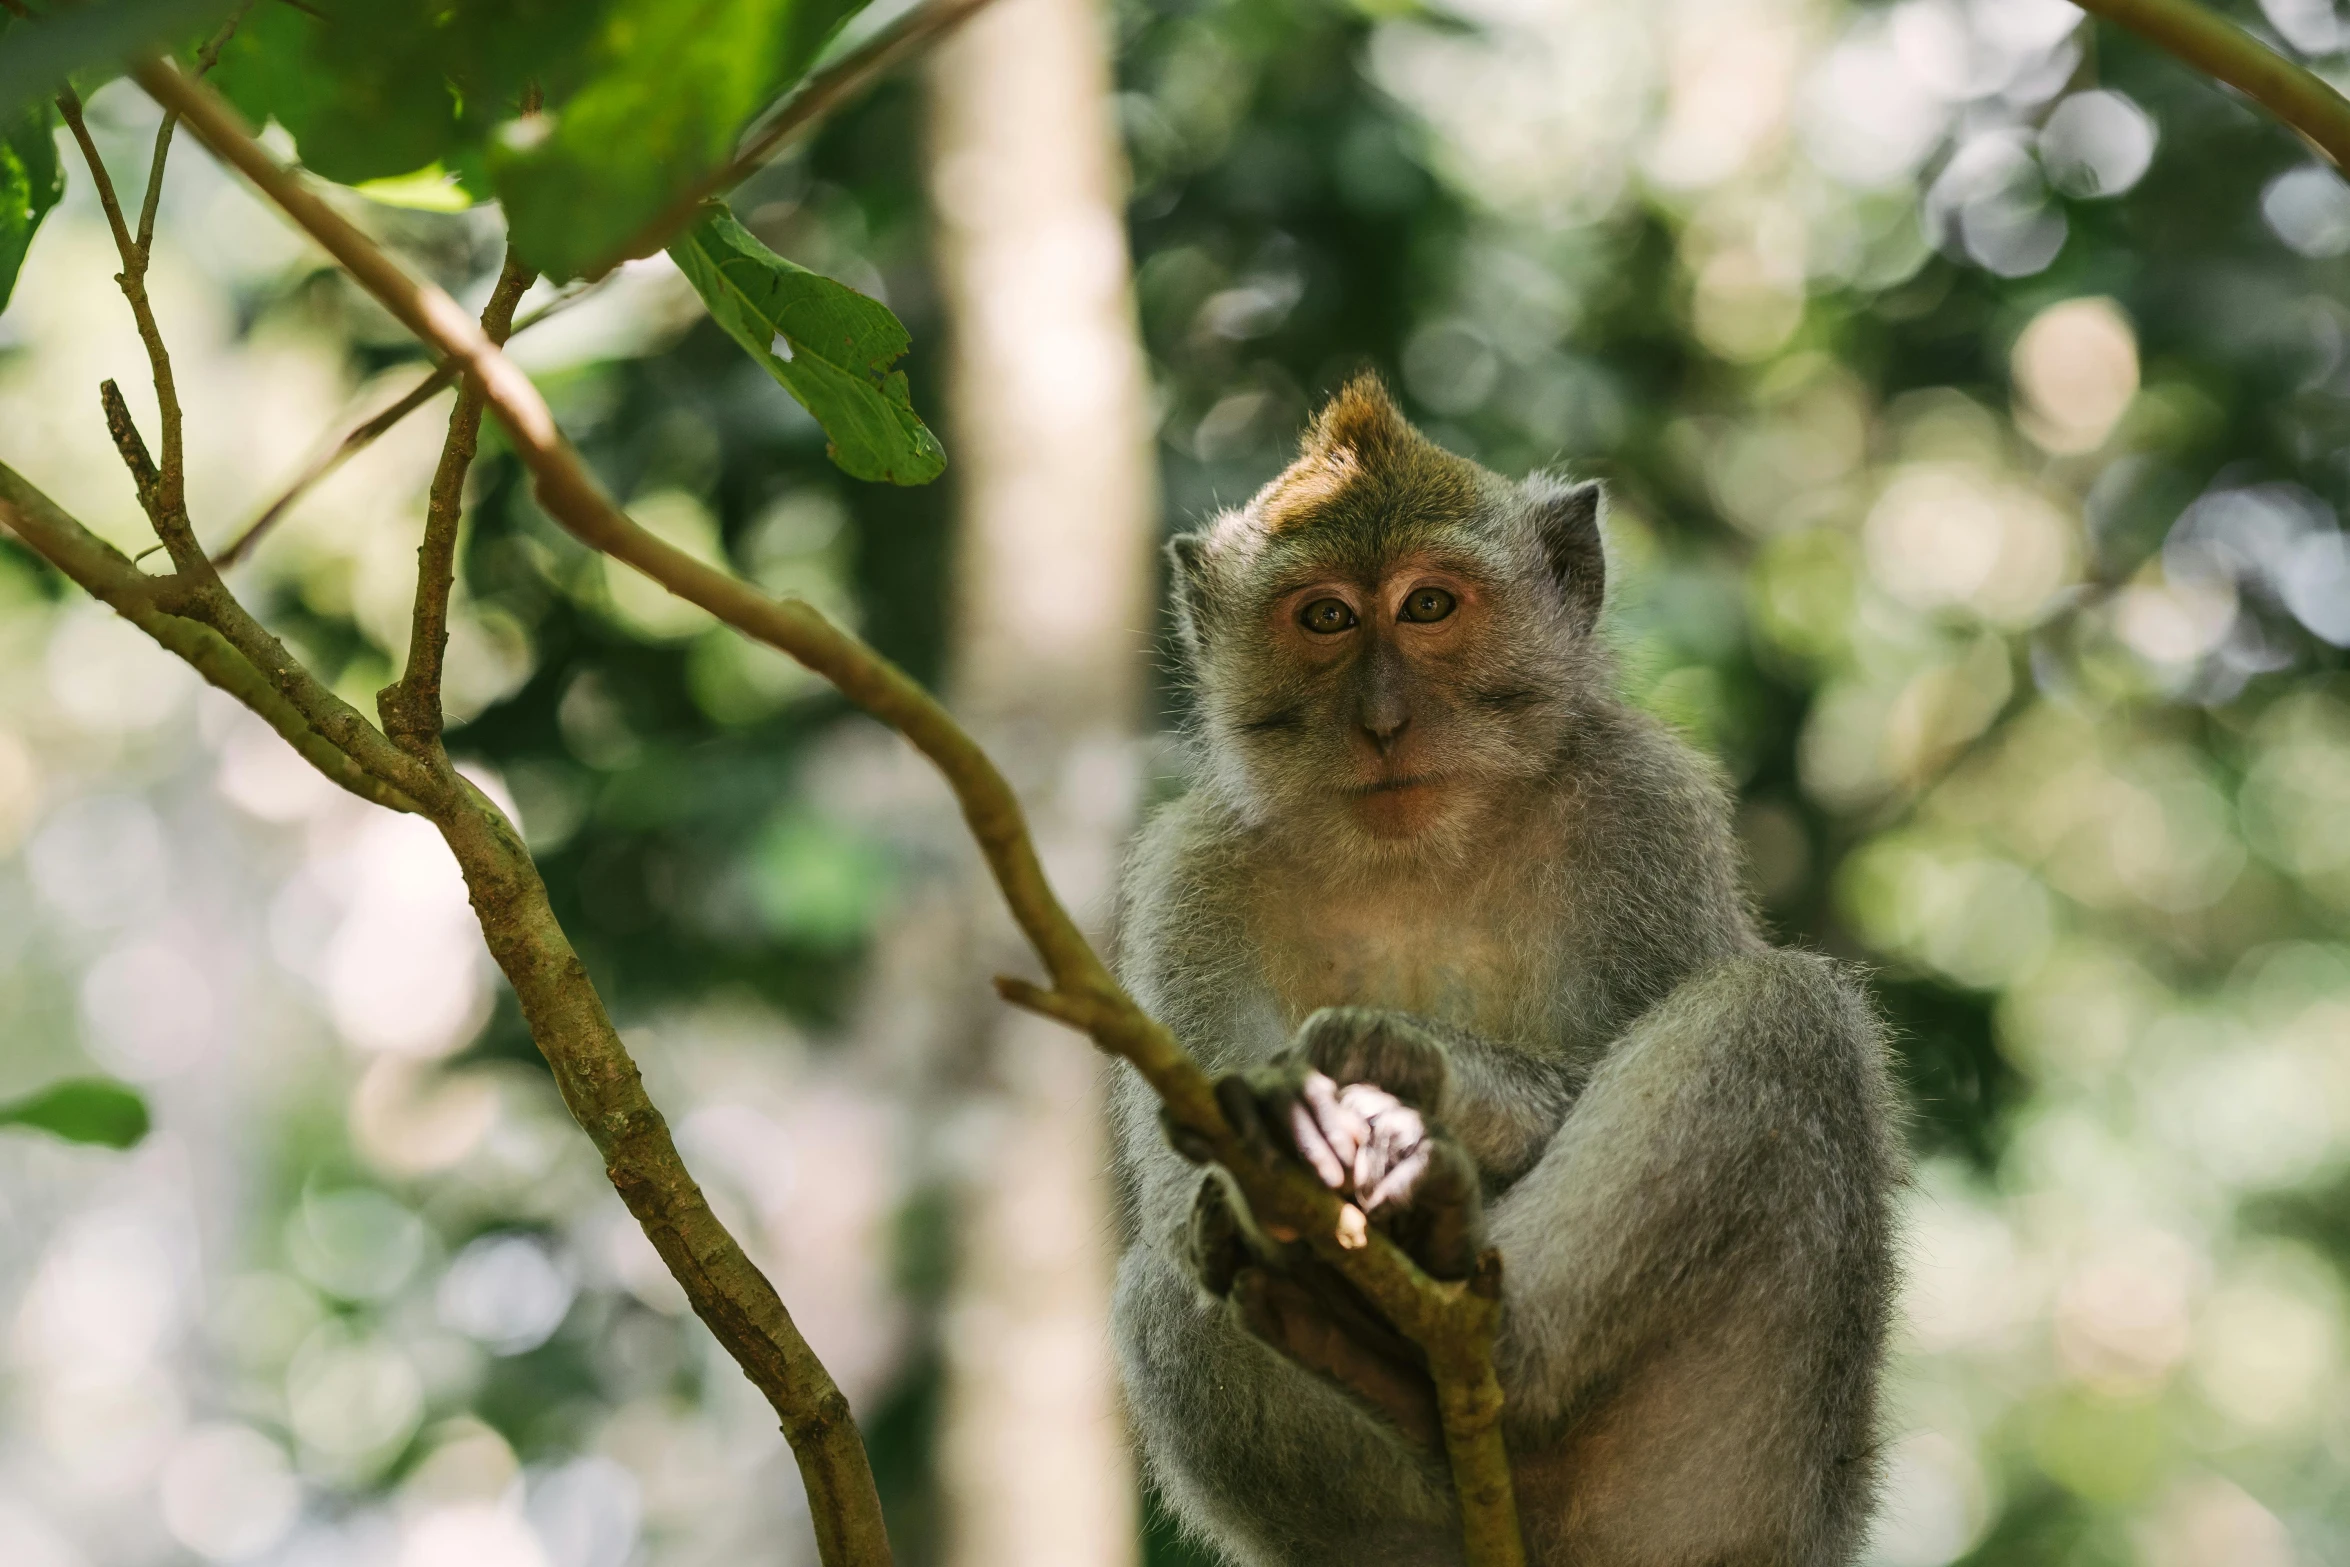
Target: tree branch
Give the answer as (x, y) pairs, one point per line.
(108, 576)
(132, 448)
(206, 59)
(165, 495)
(2218, 48)
(816, 97)
(1452, 1322)
(376, 425)
(411, 706)
(601, 1086)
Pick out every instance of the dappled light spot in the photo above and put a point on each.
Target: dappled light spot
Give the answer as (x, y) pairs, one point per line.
(2076, 369)
(227, 1492)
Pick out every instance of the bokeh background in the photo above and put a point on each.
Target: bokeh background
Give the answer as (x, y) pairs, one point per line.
(1972, 386)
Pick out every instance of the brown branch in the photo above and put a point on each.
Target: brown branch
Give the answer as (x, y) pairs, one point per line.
(206, 59)
(2220, 49)
(1453, 1323)
(816, 97)
(165, 497)
(132, 448)
(109, 577)
(367, 433)
(600, 1085)
(411, 706)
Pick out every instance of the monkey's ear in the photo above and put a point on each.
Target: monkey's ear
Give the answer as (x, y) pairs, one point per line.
(1187, 560)
(1566, 522)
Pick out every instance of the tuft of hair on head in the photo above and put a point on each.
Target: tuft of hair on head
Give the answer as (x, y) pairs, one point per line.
(1361, 420)
(1359, 433)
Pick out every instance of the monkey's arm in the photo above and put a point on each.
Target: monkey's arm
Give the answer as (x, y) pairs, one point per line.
(1725, 1172)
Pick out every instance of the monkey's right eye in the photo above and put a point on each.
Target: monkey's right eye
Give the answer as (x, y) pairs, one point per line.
(1325, 617)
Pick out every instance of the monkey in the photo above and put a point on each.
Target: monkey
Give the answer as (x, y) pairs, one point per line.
(1465, 933)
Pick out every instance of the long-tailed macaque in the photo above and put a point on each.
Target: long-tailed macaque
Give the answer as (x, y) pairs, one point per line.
(1466, 935)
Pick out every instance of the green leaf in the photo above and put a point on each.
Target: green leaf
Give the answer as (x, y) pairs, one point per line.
(841, 346)
(31, 181)
(381, 89)
(671, 84)
(60, 40)
(83, 1110)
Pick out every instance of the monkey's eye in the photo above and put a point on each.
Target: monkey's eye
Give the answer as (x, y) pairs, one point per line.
(1325, 617)
(1426, 604)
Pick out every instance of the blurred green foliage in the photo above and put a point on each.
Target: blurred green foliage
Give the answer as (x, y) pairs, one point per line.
(31, 180)
(2074, 796)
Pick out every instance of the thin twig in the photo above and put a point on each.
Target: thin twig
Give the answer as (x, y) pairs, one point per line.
(367, 433)
(411, 706)
(815, 97)
(818, 96)
(131, 447)
(168, 508)
(1453, 1323)
(206, 59)
(2219, 48)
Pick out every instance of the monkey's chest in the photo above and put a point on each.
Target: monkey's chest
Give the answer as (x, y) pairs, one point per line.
(1454, 970)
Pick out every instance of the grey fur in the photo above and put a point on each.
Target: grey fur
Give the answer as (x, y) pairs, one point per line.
(1686, 1136)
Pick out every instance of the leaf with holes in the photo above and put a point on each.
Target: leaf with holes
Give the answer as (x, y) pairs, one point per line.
(829, 345)
(82, 1110)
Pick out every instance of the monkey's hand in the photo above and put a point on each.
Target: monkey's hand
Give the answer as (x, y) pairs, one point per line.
(1298, 1304)
(1354, 1097)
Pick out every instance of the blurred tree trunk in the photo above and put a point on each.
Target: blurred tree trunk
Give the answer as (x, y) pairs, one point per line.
(1058, 504)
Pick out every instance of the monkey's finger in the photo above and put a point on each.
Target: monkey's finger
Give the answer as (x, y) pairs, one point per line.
(1217, 1245)
(1184, 1140)
(1441, 1221)
(1397, 1184)
(1342, 1127)
(1313, 1147)
(1394, 1136)
(1238, 1100)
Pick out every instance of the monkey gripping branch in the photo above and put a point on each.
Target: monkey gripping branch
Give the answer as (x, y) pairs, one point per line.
(571, 217)
(842, 347)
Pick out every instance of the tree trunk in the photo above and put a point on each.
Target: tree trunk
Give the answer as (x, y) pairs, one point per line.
(1053, 466)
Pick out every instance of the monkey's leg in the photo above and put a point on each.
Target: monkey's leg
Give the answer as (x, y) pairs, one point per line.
(1299, 1305)
(1275, 1463)
(1696, 1281)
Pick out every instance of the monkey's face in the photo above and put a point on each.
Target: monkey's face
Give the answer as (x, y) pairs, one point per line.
(1384, 700)
(1388, 640)
(1374, 669)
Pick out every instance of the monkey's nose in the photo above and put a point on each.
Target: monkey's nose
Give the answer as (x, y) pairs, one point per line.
(1384, 729)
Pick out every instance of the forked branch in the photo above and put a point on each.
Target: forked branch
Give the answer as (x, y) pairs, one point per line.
(411, 706)
(1452, 1323)
(148, 603)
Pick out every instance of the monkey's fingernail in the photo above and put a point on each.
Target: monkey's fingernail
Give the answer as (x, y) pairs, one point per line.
(1354, 1231)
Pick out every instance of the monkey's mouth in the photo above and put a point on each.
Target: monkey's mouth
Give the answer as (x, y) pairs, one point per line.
(1395, 785)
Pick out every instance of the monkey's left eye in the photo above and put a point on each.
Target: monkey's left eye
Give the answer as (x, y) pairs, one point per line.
(1426, 604)
(1326, 616)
